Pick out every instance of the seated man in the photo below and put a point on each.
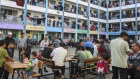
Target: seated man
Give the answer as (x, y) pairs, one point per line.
(47, 51)
(58, 55)
(134, 62)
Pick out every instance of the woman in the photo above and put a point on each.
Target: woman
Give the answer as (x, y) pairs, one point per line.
(29, 45)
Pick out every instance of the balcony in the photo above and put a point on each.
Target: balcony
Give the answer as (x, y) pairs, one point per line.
(11, 19)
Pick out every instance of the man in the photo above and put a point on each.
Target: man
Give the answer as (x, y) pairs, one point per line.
(106, 44)
(21, 44)
(134, 62)
(0, 36)
(9, 48)
(44, 43)
(56, 41)
(119, 50)
(3, 57)
(89, 44)
(47, 51)
(9, 39)
(58, 55)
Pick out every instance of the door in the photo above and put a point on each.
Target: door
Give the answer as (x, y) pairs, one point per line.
(35, 37)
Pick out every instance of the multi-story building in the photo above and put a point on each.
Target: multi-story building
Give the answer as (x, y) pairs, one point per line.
(96, 23)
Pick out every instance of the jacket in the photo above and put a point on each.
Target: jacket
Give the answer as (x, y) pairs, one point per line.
(105, 66)
(8, 40)
(135, 61)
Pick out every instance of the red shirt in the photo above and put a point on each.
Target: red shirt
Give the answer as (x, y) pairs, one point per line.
(39, 56)
(101, 64)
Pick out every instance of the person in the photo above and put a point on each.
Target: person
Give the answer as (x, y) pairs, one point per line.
(44, 43)
(106, 44)
(34, 65)
(9, 39)
(9, 48)
(102, 49)
(119, 49)
(96, 42)
(89, 55)
(25, 61)
(40, 54)
(29, 45)
(3, 58)
(89, 44)
(134, 62)
(82, 43)
(47, 51)
(0, 36)
(102, 66)
(58, 55)
(138, 41)
(21, 44)
(76, 66)
(56, 41)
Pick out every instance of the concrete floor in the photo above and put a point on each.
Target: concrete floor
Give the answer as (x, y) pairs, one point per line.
(70, 51)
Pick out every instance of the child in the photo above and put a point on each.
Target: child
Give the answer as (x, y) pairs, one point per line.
(40, 54)
(102, 66)
(80, 64)
(33, 65)
(25, 61)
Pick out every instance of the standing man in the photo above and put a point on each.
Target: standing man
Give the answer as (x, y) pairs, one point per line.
(44, 43)
(134, 62)
(0, 36)
(9, 48)
(21, 44)
(56, 41)
(119, 50)
(88, 44)
(9, 39)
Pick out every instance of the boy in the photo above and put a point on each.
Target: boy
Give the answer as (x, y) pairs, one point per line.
(9, 48)
(3, 58)
(34, 65)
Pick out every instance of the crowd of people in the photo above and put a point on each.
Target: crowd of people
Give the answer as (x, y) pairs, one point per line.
(116, 50)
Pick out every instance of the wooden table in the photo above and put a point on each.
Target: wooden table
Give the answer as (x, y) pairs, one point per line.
(12, 66)
(70, 60)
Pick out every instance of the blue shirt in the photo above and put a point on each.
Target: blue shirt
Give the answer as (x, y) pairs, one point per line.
(88, 44)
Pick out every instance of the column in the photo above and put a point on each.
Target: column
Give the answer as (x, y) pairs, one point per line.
(89, 18)
(136, 20)
(46, 16)
(62, 33)
(99, 3)
(107, 18)
(120, 18)
(76, 20)
(0, 7)
(25, 14)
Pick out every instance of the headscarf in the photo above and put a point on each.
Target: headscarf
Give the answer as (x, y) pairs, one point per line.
(29, 41)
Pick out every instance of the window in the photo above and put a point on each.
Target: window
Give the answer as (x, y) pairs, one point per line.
(27, 32)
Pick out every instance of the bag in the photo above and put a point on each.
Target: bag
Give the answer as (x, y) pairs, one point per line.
(29, 68)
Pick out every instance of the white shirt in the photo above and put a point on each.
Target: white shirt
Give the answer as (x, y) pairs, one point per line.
(43, 44)
(119, 47)
(59, 55)
(95, 51)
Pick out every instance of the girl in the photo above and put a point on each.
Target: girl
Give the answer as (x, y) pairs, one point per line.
(102, 66)
(25, 61)
(40, 54)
